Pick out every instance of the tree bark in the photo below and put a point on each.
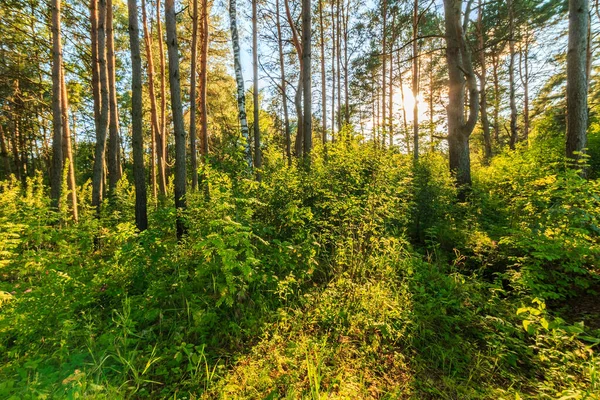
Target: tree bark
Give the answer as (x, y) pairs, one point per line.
(177, 110)
(153, 110)
(511, 77)
(204, 80)
(288, 139)
(307, 76)
(241, 95)
(162, 138)
(485, 123)
(57, 150)
(99, 165)
(415, 79)
(323, 78)
(193, 151)
(460, 74)
(257, 149)
(141, 216)
(333, 60)
(114, 161)
(67, 148)
(577, 85)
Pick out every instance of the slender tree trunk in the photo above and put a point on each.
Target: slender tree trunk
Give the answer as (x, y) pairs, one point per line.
(511, 77)
(485, 123)
(99, 175)
(257, 150)
(415, 79)
(338, 37)
(193, 151)
(162, 138)
(114, 161)
(288, 140)
(67, 148)
(95, 64)
(241, 95)
(384, 66)
(495, 67)
(431, 122)
(137, 142)
(404, 120)
(4, 153)
(153, 111)
(577, 85)
(524, 69)
(204, 79)
(177, 110)
(333, 60)
(460, 68)
(346, 66)
(307, 76)
(323, 78)
(299, 142)
(57, 150)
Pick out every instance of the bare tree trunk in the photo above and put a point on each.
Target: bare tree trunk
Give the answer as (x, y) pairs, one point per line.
(495, 67)
(193, 151)
(511, 77)
(257, 150)
(114, 160)
(95, 64)
(288, 140)
(524, 72)
(141, 216)
(153, 111)
(4, 153)
(307, 76)
(415, 79)
(203, 79)
(99, 175)
(338, 36)
(333, 60)
(460, 69)
(346, 16)
(67, 148)
(431, 122)
(384, 65)
(241, 95)
(323, 78)
(299, 142)
(577, 85)
(57, 151)
(485, 123)
(177, 110)
(161, 137)
(404, 121)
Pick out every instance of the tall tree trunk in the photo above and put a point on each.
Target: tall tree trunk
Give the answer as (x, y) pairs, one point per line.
(177, 110)
(161, 137)
(338, 36)
(431, 122)
(98, 173)
(114, 160)
(496, 78)
(333, 46)
(288, 139)
(193, 151)
(485, 123)
(346, 16)
(257, 150)
(57, 150)
(67, 148)
(4, 153)
(241, 95)
(577, 85)
(383, 67)
(511, 76)
(415, 79)
(524, 71)
(137, 142)
(460, 73)
(307, 76)
(404, 120)
(153, 111)
(323, 78)
(299, 142)
(204, 79)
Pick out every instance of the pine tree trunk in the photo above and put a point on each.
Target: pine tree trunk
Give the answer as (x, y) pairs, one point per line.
(4, 153)
(299, 141)
(415, 79)
(193, 151)
(177, 110)
(257, 149)
(460, 68)
(323, 78)
(511, 77)
(333, 60)
(67, 148)
(57, 150)
(288, 139)
(577, 85)
(485, 123)
(204, 79)
(137, 142)
(161, 137)
(307, 76)
(153, 110)
(99, 165)
(114, 161)
(241, 95)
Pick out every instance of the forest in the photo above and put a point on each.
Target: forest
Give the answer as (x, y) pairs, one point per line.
(299, 199)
